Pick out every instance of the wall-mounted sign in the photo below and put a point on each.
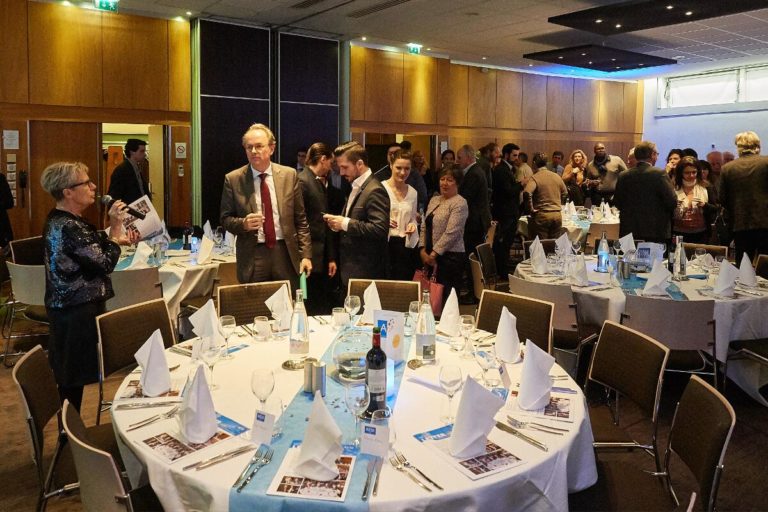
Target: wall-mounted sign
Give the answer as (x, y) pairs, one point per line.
(181, 150)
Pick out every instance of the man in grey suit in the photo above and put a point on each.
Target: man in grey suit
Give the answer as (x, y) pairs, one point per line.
(363, 225)
(262, 204)
(645, 198)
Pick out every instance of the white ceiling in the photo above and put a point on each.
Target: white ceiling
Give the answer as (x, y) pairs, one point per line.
(499, 30)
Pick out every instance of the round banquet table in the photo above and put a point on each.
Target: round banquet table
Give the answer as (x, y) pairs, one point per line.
(542, 482)
(740, 317)
(576, 229)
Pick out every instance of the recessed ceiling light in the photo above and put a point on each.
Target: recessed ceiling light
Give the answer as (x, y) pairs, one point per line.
(688, 13)
(590, 62)
(189, 13)
(618, 25)
(613, 60)
(363, 38)
(560, 57)
(670, 7)
(530, 65)
(583, 54)
(618, 67)
(429, 49)
(598, 20)
(485, 58)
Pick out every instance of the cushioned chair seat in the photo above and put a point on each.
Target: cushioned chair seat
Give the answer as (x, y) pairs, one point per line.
(36, 313)
(604, 430)
(759, 346)
(685, 360)
(566, 340)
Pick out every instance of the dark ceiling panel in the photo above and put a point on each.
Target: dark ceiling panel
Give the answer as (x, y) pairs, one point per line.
(644, 14)
(600, 58)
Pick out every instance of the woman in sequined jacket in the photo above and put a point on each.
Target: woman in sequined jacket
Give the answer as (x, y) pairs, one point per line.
(78, 261)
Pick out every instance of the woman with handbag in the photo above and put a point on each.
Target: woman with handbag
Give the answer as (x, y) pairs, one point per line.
(402, 258)
(442, 232)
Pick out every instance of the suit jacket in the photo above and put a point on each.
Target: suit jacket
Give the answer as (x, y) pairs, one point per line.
(363, 247)
(646, 201)
(744, 192)
(506, 193)
(318, 200)
(238, 200)
(123, 184)
(6, 203)
(474, 189)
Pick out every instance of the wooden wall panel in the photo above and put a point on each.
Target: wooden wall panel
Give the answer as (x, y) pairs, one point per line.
(629, 108)
(419, 89)
(179, 187)
(14, 69)
(384, 87)
(611, 111)
(65, 55)
(534, 102)
(481, 89)
(459, 95)
(509, 99)
(559, 103)
(179, 66)
(586, 101)
(135, 62)
(358, 56)
(443, 91)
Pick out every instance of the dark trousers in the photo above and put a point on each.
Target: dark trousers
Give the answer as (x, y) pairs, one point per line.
(752, 241)
(274, 265)
(449, 267)
(402, 261)
(321, 293)
(505, 234)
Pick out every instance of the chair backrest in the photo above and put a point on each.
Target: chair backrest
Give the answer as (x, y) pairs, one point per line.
(123, 331)
(561, 295)
(487, 262)
(246, 301)
(134, 286)
(761, 265)
(630, 363)
(394, 295)
(701, 430)
(491, 233)
(534, 317)
(714, 250)
(677, 324)
(478, 283)
(596, 233)
(226, 275)
(28, 251)
(28, 283)
(548, 244)
(39, 396)
(101, 487)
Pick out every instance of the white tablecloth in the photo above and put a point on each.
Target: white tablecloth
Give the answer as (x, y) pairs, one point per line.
(541, 483)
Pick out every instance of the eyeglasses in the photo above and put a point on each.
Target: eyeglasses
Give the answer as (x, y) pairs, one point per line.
(257, 147)
(86, 182)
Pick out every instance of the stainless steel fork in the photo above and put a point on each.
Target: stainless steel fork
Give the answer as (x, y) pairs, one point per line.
(401, 458)
(400, 467)
(263, 462)
(153, 419)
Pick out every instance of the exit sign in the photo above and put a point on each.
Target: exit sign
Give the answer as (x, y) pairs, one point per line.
(414, 48)
(105, 5)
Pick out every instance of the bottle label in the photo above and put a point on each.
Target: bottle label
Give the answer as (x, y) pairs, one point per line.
(425, 346)
(377, 382)
(299, 346)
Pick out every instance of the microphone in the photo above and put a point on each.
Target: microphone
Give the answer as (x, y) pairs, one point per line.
(107, 201)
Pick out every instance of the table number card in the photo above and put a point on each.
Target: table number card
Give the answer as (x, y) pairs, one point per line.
(263, 425)
(505, 380)
(392, 325)
(375, 440)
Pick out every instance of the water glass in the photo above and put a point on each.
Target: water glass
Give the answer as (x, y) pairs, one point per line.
(339, 318)
(451, 380)
(228, 326)
(357, 399)
(262, 384)
(262, 330)
(467, 327)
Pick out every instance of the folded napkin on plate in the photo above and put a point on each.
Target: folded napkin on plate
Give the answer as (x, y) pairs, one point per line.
(205, 251)
(538, 258)
(207, 231)
(155, 376)
(474, 420)
(726, 280)
(535, 384)
(747, 276)
(658, 280)
(205, 323)
(371, 302)
(198, 417)
(580, 276)
(627, 243)
(449, 320)
(321, 446)
(563, 244)
(279, 303)
(141, 256)
(507, 339)
(605, 209)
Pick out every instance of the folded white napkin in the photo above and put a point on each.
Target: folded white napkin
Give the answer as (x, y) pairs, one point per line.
(155, 376)
(563, 244)
(580, 276)
(371, 303)
(449, 320)
(507, 340)
(474, 420)
(205, 323)
(571, 209)
(747, 276)
(538, 258)
(726, 280)
(627, 243)
(658, 280)
(229, 240)
(535, 384)
(207, 231)
(198, 416)
(279, 303)
(426, 382)
(141, 256)
(321, 446)
(534, 244)
(705, 260)
(205, 251)
(607, 213)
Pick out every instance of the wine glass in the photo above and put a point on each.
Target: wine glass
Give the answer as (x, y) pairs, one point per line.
(699, 256)
(211, 353)
(410, 318)
(228, 325)
(352, 305)
(467, 327)
(486, 359)
(262, 384)
(617, 247)
(357, 399)
(576, 246)
(451, 380)
(218, 236)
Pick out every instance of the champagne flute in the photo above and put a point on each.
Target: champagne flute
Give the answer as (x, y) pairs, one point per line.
(699, 257)
(357, 399)
(228, 325)
(451, 380)
(617, 247)
(262, 385)
(211, 354)
(352, 306)
(467, 327)
(218, 236)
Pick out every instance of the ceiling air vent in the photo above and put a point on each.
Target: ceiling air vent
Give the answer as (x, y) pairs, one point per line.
(306, 4)
(375, 8)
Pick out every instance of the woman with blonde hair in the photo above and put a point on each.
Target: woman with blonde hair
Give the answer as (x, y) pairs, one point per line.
(573, 176)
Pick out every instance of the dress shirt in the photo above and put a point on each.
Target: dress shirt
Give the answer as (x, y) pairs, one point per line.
(356, 186)
(273, 196)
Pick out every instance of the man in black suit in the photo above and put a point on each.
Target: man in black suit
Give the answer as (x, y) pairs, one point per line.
(320, 198)
(127, 183)
(645, 198)
(506, 207)
(363, 226)
(474, 189)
